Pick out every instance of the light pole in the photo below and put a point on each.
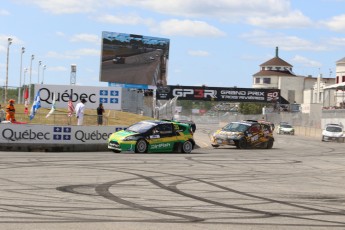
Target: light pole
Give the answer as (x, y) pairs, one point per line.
(20, 79)
(25, 93)
(38, 72)
(32, 58)
(24, 87)
(8, 55)
(44, 68)
(25, 70)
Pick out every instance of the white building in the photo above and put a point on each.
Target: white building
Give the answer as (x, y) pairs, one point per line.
(335, 94)
(305, 90)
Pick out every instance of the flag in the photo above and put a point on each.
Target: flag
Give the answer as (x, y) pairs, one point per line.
(53, 107)
(26, 105)
(36, 105)
(26, 93)
(70, 107)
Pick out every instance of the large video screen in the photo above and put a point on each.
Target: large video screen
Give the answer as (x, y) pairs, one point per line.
(134, 59)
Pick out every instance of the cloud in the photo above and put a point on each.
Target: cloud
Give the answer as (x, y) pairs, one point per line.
(86, 38)
(220, 9)
(305, 61)
(58, 68)
(285, 42)
(66, 7)
(199, 53)
(337, 23)
(60, 34)
(256, 12)
(53, 54)
(4, 42)
(188, 28)
(4, 12)
(292, 20)
(337, 41)
(88, 52)
(75, 54)
(128, 19)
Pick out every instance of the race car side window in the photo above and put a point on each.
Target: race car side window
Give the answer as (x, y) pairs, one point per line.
(266, 128)
(255, 128)
(165, 130)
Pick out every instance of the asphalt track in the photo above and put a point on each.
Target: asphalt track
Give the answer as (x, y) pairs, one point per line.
(299, 184)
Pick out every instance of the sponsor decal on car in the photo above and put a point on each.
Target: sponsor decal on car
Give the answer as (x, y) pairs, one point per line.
(160, 146)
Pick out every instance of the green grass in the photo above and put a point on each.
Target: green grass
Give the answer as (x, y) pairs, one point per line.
(60, 117)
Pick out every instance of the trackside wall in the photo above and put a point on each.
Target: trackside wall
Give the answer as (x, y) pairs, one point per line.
(57, 138)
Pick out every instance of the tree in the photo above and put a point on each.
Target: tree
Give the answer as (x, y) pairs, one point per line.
(251, 108)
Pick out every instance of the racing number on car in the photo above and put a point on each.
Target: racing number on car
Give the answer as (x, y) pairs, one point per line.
(176, 127)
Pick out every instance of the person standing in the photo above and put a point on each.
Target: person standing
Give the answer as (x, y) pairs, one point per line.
(100, 111)
(10, 111)
(79, 111)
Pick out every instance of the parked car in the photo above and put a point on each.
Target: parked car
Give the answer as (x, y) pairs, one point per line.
(153, 136)
(185, 119)
(285, 128)
(244, 134)
(333, 132)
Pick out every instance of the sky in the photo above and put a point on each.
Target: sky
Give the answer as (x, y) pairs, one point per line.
(217, 43)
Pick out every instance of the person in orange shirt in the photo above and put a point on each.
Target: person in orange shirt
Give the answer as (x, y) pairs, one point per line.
(10, 111)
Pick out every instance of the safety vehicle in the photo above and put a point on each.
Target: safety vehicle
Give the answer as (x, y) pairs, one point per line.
(285, 128)
(333, 132)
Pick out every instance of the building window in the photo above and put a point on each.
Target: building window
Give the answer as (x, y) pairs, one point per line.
(267, 80)
(257, 80)
(343, 80)
(337, 80)
(262, 68)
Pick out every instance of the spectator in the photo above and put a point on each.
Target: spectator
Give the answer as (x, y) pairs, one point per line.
(10, 111)
(79, 111)
(100, 111)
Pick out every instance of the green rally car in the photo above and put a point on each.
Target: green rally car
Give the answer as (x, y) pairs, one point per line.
(153, 136)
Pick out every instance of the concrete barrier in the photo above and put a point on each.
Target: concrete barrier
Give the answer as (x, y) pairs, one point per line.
(56, 138)
(308, 132)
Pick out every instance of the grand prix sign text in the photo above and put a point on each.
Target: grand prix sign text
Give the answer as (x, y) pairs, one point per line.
(218, 94)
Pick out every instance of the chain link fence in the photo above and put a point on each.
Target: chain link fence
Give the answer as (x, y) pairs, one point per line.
(166, 109)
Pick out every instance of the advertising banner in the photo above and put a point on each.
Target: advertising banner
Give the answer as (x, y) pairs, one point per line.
(217, 94)
(56, 134)
(109, 96)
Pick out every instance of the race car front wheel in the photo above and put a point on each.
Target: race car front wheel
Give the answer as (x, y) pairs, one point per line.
(242, 144)
(270, 143)
(141, 146)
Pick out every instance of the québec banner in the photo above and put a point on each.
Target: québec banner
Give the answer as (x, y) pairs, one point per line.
(217, 94)
(56, 134)
(109, 96)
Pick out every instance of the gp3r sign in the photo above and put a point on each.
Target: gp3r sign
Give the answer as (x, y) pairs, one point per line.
(218, 94)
